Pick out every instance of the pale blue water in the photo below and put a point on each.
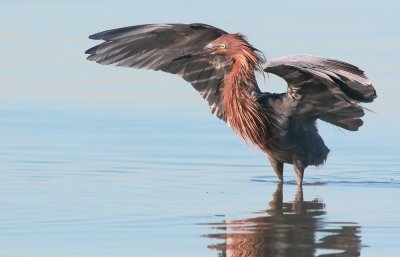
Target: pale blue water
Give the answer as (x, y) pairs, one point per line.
(104, 161)
(117, 183)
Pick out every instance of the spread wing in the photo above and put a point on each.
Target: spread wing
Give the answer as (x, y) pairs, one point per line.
(327, 89)
(155, 46)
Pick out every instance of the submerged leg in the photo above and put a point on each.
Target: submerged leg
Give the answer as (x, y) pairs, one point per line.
(298, 200)
(277, 166)
(276, 204)
(299, 167)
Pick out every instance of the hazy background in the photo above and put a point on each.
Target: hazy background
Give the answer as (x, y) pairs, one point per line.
(42, 47)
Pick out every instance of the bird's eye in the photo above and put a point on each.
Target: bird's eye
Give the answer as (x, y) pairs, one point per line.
(219, 46)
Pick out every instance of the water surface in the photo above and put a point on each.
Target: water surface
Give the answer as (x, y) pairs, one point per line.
(116, 182)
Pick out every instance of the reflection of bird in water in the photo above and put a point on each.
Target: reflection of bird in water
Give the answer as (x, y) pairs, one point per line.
(289, 230)
(222, 68)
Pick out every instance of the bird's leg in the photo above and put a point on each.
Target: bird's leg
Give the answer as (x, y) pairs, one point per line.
(299, 169)
(277, 166)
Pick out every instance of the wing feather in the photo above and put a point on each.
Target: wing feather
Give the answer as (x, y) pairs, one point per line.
(327, 89)
(154, 46)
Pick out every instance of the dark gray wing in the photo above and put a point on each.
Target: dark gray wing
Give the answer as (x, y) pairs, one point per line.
(327, 89)
(154, 46)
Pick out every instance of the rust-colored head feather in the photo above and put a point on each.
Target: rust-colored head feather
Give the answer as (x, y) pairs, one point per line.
(243, 113)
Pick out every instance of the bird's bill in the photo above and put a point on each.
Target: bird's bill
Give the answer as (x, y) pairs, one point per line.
(199, 52)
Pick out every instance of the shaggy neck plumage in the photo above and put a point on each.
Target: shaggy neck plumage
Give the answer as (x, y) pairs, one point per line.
(244, 114)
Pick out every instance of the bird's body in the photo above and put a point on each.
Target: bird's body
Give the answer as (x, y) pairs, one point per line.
(222, 68)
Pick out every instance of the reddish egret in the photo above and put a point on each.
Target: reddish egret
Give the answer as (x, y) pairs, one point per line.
(222, 68)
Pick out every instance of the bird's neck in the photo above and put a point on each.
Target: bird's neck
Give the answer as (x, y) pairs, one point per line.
(242, 111)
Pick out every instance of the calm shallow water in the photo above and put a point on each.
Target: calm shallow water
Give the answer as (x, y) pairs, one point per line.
(152, 183)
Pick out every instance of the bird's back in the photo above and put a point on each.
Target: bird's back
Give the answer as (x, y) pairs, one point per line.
(318, 88)
(292, 134)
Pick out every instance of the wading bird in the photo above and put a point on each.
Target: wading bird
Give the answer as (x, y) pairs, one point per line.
(222, 67)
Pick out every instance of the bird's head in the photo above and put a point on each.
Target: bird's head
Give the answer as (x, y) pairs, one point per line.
(232, 46)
